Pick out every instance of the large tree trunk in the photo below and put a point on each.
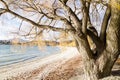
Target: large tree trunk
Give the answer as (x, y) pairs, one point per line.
(111, 53)
(89, 66)
(102, 66)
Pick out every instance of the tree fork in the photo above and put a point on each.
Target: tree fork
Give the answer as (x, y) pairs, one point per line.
(112, 51)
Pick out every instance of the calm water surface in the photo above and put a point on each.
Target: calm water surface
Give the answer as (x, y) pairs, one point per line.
(16, 53)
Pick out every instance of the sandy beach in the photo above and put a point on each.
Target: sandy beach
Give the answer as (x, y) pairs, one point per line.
(38, 69)
(62, 66)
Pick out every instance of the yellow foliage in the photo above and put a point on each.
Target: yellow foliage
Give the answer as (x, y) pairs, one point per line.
(15, 41)
(115, 4)
(40, 43)
(67, 43)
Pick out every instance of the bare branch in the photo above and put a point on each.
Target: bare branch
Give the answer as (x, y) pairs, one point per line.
(96, 40)
(2, 11)
(38, 25)
(63, 1)
(86, 6)
(73, 17)
(105, 24)
(21, 24)
(5, 4)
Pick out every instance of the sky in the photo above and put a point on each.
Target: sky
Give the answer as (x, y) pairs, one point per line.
(9, 24)
(6, 27)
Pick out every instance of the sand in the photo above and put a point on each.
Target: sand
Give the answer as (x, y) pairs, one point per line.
(66, 65)
(38, 69)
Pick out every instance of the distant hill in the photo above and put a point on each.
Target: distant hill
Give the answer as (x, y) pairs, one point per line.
(41, 43)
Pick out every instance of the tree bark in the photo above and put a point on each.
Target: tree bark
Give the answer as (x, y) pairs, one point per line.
(89, 65)
(111, 53)
(102, 66)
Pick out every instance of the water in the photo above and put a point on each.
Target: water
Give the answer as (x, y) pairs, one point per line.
(10, 54)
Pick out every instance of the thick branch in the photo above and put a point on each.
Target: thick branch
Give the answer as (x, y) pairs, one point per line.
(55, 17)
(96, 40)
(4, 3)
(2, 11)
(86, 6)
(73, 17)
(38, 25)
(105, 24)
(83, 46)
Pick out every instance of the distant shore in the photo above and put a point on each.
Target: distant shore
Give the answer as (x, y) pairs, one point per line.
(42, 43)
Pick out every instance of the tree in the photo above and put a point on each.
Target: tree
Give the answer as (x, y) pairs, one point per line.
(75, 15)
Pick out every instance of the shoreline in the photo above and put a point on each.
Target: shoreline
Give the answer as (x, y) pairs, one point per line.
(66, 65)
(17, 69)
